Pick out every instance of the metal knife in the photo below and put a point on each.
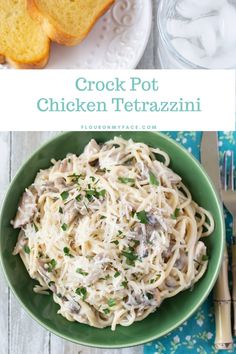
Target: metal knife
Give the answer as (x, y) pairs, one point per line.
(222, 298)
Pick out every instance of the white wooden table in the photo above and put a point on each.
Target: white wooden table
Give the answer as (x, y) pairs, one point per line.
(19, 334)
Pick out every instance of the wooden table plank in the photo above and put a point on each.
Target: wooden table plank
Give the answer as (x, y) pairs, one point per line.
(25, 335)
(63, 347)
(4, 291)
(150, 58)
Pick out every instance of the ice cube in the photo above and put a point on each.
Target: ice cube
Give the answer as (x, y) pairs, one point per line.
(226, 60)
(209, 41)
(197, 27)
(188, 10)
(195, 8)
(209, 5)
(227, 26)
(177, 28)
(191, 29)
(188, 50)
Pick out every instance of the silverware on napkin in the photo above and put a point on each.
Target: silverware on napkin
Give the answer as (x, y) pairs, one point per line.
(222, 299)
(229, 199)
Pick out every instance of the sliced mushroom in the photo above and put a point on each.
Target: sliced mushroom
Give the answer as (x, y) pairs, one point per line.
(26, 208)
(46, 187)
(70, 212)
(92, 148)
(21, 242)
(72, 305)
(182, 261)
(171, 282)
(172, 177)
(60, 183)
(200, 251)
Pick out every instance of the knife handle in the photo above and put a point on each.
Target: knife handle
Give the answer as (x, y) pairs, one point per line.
(234, 285)
(222, 300)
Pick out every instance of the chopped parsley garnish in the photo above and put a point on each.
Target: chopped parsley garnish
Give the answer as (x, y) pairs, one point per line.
(64, 227)
(60, 210)
(92, 178)
(130, 256)
(82, 292)
(90, 193)
(51, 265)
(102, 193)
(149, 296)
(102, 170)
(176, 213)
(120, 234)
(117, 274)
(126, 180)
(81, 271)
(64, 195)
(116, 242)
(93, 193)
(153, 180)
(153, 280)
(89, 257)
(205, 258)
(36, 228)
(106, 311)
(103, 217)
(142, 216)
(78, 198)
(26, 249)
(51, 283)
(125, 284)
(111, 302)
(107, 277)
(67, 252)
(135, 243)
(75, 177)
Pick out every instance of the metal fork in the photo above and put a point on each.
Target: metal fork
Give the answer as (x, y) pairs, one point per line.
(228, 194)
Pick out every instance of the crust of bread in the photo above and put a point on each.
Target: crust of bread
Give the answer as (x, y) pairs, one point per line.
(2, 59)
(52, 28)
(36, 64)
(35, 59)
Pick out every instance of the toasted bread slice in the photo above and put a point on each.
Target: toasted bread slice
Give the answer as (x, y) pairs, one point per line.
(23, 43)
(67, 21)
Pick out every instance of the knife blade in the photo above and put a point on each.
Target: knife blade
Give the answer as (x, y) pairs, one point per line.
(210, 157)
(222, 299)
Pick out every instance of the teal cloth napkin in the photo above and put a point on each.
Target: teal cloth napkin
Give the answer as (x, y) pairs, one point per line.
(197, 334)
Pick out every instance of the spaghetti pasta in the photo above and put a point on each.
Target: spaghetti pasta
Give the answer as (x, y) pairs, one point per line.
(111, 233)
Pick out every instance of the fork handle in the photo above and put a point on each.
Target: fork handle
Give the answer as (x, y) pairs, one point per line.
(234, 284)
(222, 300)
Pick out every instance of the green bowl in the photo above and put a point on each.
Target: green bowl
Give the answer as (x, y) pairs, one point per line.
(173, 311)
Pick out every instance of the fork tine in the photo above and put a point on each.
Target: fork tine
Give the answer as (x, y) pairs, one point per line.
(224, 172)
(231, 172)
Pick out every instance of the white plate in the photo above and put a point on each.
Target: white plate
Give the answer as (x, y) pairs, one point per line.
(117, 41)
